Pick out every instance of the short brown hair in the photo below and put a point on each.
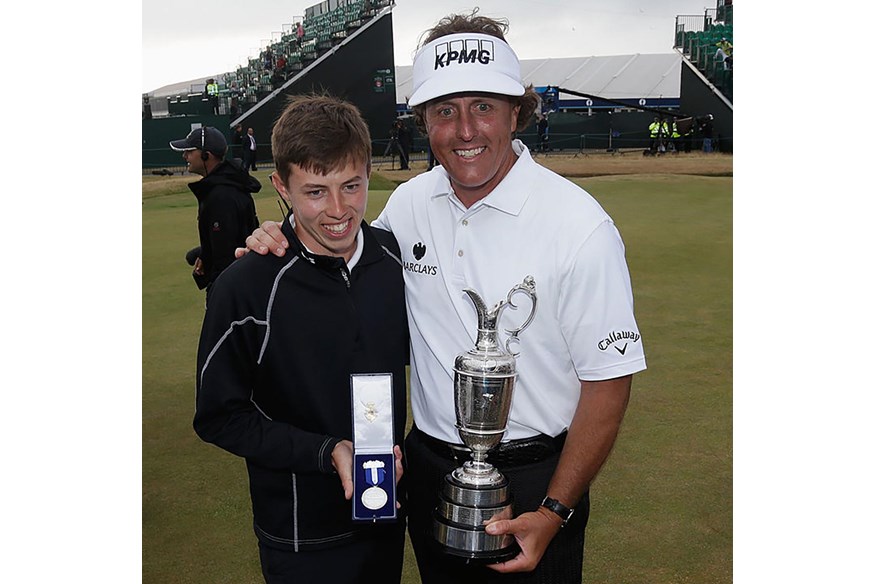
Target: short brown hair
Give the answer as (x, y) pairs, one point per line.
(497, 27)
(319, 133)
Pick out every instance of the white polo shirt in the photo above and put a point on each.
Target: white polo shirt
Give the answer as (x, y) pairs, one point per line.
(536, 223)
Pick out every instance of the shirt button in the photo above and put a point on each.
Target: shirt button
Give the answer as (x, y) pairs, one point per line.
(465, 221)
(459, 253)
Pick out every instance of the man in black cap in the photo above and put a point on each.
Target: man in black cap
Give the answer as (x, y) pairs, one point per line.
(226, 210)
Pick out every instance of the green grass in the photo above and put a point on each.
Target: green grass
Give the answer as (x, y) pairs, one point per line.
(661, 508)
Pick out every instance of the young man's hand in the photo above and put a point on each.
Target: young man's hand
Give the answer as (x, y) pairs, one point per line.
(342, 460)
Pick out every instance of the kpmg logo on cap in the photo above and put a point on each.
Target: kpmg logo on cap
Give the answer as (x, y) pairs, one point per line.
(464, 51)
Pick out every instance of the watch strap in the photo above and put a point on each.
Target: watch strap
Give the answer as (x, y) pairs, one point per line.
(561, 510)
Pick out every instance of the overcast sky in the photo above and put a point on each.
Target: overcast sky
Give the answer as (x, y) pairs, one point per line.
(187, 40)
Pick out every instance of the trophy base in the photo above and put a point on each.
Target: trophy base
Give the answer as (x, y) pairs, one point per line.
(458, 525)
(476, 557)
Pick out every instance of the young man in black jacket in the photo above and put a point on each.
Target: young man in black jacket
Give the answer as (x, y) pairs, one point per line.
(282, 338)
(226, 210)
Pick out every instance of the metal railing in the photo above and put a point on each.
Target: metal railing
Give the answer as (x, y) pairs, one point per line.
(686, 23)
(696, 36)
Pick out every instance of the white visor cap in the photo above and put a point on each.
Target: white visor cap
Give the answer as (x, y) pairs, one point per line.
(465, 62)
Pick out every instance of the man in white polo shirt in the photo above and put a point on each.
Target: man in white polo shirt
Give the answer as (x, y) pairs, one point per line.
(487, 217)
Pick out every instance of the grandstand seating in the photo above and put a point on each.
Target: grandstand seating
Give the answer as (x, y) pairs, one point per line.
(326, 24)
(700, 45)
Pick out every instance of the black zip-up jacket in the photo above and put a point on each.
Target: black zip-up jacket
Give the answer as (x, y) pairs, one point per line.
(280, 339)
(226, 216)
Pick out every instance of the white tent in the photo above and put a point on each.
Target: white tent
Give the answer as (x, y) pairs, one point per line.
(613, 77)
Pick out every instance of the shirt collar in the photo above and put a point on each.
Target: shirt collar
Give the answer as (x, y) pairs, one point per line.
(310, 255)
(510, 194)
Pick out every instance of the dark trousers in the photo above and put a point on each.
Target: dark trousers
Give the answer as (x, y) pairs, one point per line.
(249, 159)
(562, 562)
(375, 558)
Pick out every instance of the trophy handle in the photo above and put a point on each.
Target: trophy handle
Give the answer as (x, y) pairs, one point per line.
(528, 288)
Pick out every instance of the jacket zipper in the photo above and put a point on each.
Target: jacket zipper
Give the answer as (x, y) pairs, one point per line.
(295, 510)
(345, 276)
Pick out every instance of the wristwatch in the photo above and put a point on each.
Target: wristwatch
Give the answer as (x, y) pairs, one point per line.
(564, 512)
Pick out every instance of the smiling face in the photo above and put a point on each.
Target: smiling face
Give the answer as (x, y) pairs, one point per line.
(328, 208)
(194, 162)
(471, 136)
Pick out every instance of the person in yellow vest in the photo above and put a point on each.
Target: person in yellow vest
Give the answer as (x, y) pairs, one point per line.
(213, 94)
(675, 137)
(724, 54)
(654, 134)
(663, 138)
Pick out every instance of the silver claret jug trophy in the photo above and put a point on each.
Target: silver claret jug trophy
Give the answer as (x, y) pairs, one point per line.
(474, 493)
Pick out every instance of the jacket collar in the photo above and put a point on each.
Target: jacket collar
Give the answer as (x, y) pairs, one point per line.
(225, 173)
(371, 249)
(202, 187)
